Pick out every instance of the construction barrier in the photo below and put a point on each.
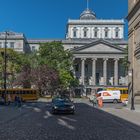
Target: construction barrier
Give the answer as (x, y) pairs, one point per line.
(100, 102)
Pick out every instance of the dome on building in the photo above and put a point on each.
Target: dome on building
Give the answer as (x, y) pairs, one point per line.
(87, 15)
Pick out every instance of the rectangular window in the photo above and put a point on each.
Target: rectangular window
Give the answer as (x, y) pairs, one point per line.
(116, 35)
(76, 67)
(95, 34)
(106, 33)
(86, 67)
(85, 33)
(33, 49)
(117, 32)
(74, 34)
(12, 45)
(0, 44)
(5, 44)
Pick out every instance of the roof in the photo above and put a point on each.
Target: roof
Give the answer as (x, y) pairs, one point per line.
(99, 46)
(89, 40)
(87, 15)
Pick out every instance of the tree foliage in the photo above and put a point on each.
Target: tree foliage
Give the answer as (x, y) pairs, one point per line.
(47, 70)
(13, 66)
(54, 55)
(45, 79)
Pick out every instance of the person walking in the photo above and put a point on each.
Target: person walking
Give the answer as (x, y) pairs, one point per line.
(94, 100)
(9, 99)
(19, 101)
(16, 100)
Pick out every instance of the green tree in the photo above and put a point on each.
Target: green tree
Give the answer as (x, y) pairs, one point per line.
(54, 55)
(13, 66)
(24, 76)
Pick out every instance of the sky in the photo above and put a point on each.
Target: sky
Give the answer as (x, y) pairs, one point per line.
(48, 18)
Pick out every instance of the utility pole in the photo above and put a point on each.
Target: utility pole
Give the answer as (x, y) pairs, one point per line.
(5, 67)
(132, 97)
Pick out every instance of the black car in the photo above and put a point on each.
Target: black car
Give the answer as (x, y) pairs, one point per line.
(62, 105)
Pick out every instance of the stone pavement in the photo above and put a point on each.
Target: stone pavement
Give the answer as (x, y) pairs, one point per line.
(118, 110)
(12, 112)
(125, 113)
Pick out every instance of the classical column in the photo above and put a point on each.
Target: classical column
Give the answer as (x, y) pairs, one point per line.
(105, 70)
(116, 72)
(94, 71)
(83, 71)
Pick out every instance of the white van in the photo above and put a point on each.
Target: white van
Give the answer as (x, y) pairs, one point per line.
(110, 96)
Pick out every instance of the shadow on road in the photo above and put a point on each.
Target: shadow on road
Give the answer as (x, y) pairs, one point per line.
(36, 121)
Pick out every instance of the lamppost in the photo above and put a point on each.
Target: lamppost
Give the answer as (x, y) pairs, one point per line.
(5, 66)
(130, 73)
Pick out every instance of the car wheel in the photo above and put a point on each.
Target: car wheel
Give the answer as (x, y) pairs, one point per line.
(53, 111)
(73, 112)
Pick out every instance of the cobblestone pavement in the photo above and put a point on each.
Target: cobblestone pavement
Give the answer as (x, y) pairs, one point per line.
(33, 121)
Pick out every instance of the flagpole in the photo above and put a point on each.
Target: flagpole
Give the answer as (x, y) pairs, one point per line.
(87, 4)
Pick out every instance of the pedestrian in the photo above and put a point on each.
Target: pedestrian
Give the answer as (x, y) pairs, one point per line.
(9, 99)
(94, 100)
(16, 100)
(19, 101)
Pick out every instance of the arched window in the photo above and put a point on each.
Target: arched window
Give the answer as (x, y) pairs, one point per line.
(106, 32)
(117, 32)
(74, 32)
(85, 31)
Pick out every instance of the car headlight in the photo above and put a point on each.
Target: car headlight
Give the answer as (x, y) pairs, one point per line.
(55, 107)
(72, 107)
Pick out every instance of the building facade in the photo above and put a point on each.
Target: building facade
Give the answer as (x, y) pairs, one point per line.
(98, 47)
(16, 41)
(134, 47)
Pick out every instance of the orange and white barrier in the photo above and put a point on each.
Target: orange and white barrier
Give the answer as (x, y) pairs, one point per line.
(100, 102)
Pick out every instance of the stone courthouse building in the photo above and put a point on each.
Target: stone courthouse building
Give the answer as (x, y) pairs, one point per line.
(98, 47)
(134, 46)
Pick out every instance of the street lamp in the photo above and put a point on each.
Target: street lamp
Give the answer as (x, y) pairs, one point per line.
(5, 66)
(130, 73)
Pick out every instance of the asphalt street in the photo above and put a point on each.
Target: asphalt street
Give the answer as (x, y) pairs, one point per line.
(34, 121)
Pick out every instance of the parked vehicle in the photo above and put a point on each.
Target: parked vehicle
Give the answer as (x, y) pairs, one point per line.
(62, 105)
(24, 93)
(110, 96)
(123, 91)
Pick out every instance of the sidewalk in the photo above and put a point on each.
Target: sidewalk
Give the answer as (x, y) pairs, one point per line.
(125, 113)
(137, 108)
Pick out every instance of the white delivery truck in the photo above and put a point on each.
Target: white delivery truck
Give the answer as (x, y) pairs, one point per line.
(110, 96)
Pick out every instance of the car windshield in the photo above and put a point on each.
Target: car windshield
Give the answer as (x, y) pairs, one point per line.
(58, 100)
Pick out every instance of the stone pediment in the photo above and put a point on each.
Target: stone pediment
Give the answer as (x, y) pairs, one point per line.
(99, 46)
